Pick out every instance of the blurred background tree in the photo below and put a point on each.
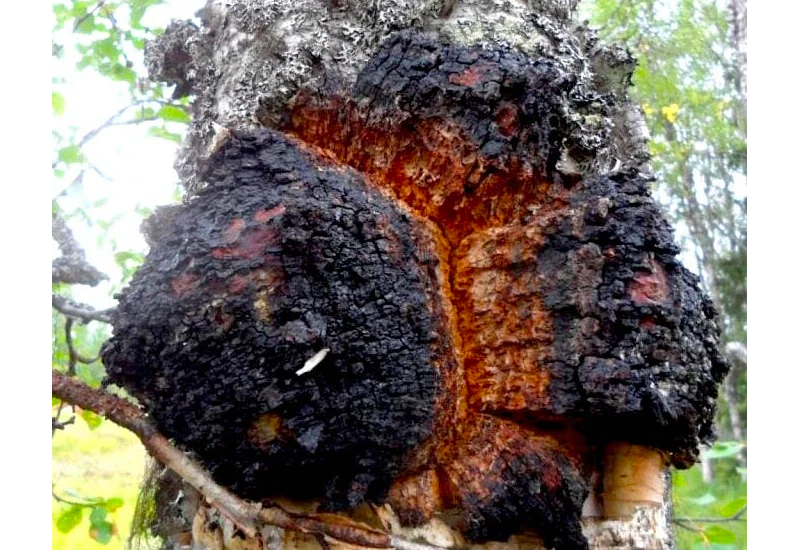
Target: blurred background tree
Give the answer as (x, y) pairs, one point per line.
(115, 135)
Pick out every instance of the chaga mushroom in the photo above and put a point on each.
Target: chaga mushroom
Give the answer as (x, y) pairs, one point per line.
(399, 298)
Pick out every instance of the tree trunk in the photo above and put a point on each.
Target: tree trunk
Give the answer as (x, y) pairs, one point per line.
(418, 281)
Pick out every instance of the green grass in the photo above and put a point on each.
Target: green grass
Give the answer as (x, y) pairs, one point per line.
(107, 462)
(719, 499)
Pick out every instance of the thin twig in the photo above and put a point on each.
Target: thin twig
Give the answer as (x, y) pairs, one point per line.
(112, 121)
(735, 517)
(67, 501)
(688, 527)
(74, 356)
(60, 425)
(248, 516)
(86, 15)
(80, 311)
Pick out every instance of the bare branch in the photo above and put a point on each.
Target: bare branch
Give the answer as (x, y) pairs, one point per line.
(248, 516)
(112, 120)
(72, 266)
(55, 424)
(80, 311)
(74, 356)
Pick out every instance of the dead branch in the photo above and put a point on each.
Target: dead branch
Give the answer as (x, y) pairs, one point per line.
(72, 267)
(59, 424)
(248, 516)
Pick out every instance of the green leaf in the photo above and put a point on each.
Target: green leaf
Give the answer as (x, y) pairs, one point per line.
(58, 103)
(113, 504)
(107, 48)
(124, 74)
(703, 500)
(157, 131)
(71, 154)
(92, 420)
(138, 9)
(720, 535)
(86, 25)
(98, 515)
(733, 507)
(67, 521)
(173, 114)
(62, 14)
(102, 532)
(122, 258)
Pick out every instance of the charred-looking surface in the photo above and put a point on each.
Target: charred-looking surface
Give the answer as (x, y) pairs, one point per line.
(423, 294)
(285, 260)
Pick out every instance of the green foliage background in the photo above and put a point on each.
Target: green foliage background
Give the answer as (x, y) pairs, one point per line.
(691, 85)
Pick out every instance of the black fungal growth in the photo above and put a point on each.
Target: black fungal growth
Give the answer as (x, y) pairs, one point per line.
(510, 105)
(634, 327)
(278, 261)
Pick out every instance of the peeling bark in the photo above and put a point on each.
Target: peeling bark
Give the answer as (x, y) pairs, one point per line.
(419, 277)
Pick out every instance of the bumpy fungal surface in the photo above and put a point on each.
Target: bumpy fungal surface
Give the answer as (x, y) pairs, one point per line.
(287, 259)
(419, 288)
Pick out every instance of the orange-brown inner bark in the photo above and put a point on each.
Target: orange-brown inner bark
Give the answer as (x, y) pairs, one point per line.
(476, 210)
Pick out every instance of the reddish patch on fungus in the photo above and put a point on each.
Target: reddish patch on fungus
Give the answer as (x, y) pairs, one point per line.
(238, 284)
(649, 286)
(647, 323)
(550, 476)
(507, 119)
(250, 246)
(471, 76)
(222, 319)
(265, 215)
(234, 230)
(183, 284)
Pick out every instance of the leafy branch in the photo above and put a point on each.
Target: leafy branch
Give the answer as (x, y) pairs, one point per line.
(101, 528)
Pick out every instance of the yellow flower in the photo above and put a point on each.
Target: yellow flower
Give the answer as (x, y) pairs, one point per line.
(670, 112)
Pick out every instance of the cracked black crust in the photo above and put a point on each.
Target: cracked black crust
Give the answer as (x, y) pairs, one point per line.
(415, 74)
(351, 278)
(646, 372)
